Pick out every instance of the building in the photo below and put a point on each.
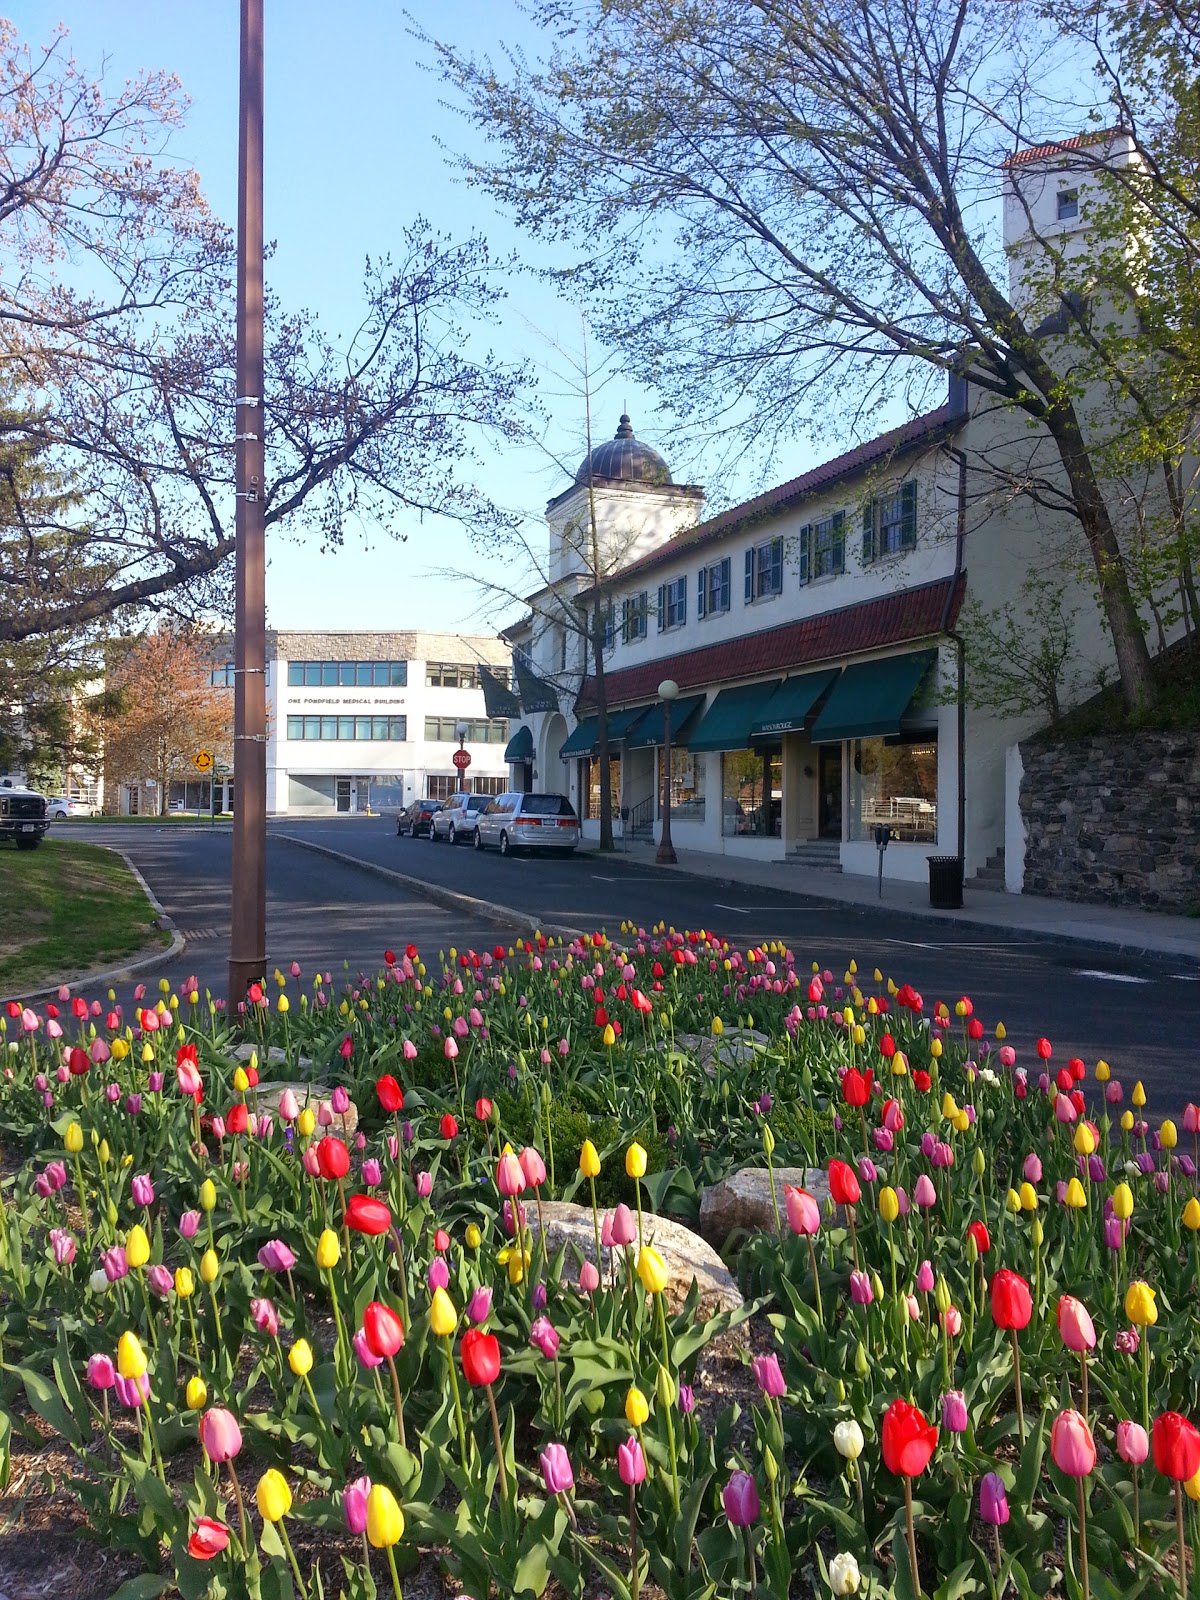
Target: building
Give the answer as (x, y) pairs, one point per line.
(371, 721)
(812, 632)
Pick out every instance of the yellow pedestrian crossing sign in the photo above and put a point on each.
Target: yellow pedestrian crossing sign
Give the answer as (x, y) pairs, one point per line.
(203, 760)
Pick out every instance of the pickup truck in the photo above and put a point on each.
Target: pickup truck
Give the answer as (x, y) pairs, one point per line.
(23, 816)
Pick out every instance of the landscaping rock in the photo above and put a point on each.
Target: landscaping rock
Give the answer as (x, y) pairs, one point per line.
(275, 1057)
(743, 1200)
(314, 1095)
(686, 1255)
(735, 1047)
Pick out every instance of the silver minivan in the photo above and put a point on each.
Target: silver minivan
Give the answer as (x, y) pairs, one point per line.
(527, 822)
(457, 817)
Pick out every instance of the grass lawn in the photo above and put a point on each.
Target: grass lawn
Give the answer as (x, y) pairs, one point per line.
(67, 907)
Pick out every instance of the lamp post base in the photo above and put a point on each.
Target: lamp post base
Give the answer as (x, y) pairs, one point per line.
(665, 854)
(241, 975)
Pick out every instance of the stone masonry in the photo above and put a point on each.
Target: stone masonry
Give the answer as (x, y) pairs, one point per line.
(1114, 820)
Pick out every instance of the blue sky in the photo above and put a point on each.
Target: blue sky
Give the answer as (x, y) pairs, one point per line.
(352, 121)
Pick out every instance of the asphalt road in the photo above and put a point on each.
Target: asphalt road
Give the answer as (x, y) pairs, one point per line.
(1142, 1014)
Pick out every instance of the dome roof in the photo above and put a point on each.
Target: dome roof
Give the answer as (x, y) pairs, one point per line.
(624, 459)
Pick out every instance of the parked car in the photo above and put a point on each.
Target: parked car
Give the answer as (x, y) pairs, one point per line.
(417, 818)
(456, 820)
(528, 822)
(60, 808)
(22, 816)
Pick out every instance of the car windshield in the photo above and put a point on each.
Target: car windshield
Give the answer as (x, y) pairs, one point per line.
(478, 802)
(547, 805)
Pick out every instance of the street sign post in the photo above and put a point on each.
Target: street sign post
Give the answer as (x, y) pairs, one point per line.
(461, 759)
(203, 761)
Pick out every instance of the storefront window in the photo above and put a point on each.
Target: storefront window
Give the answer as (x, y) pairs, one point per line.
(894, 781)
(687, 784)
(752, 792)
(592, 787)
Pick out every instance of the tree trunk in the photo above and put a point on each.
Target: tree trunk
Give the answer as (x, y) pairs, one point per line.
(597, 631)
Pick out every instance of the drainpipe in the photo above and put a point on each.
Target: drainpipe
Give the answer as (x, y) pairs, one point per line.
(959, 644)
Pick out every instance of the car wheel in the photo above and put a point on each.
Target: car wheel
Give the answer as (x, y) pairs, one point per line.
(27, 841)
(453, 834)
(477, 839)
(504, 844)
(432, 832)
(412, 830)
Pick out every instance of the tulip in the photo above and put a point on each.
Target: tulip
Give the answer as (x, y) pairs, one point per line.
(101, 1372)
(623, 1226)
(329, 1251)
(954, 1411)
(543, 1337)
(844, 1576)
(556, 1469)
(208, 1539)
(275, 1256)
(860, 1289)
(1176, 1446)
(740, 1499)
(131, 1358)
(385, 1520)
(848, 1440)
(1074, 1452)
(631, 1463)
(652, 1270)
(637, 1407)
(196, 1393)
(365, 1213)
(273, 1496)
(993, 1501)
(220, 1435)
(480, 1354)
(769, 1376)
(354, 1504)
(510, 1175)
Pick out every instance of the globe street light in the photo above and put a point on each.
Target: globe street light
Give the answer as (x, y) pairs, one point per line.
(460, 733)
(668, 693)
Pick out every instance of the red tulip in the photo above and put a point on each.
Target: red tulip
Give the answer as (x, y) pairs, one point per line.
(1176, 1445)
(1044, 1049)
(209, 1539)
(908, 1440)
(856, 1086)
(483, 1109)
(448, 1126)
(922, 1082)
(389, 958)
(333, 1159)
(1012, 1303)
(366, 1214)
(983, 1240)
(78, 1061)
(480, 1357)
(843, 1184)
(391, 1095)
(237, 1119)
(383, 1330)
(346, 1048)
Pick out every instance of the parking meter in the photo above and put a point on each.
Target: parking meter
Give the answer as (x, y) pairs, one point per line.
(883, 835)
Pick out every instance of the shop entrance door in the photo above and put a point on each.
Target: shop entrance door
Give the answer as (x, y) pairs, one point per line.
(343, 794)
(830, 801)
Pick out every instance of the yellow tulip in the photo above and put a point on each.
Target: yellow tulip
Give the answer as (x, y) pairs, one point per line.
(473, 1236)
(241, 1081)
(848, 1016)
(120, 1049)
(137, 1246)
(608, 1037)
(652, 1270)
(131, 1358)
(443, 1318)
(1140, 1306)
(637, 1407)
(889, 1204)
(1001, 1031)
(1085, 1143)
(1126, 1120)
(1191, 1215)
(1012, 1201)
(1139, 1094)
(1103, 1072)
(859, 1034)
(1122, 1202)
(1076, 1196)
(516, 1261)
(147, 1052)
(210, 1266)
(208, 1195)
(306, 1122)
(103, 1153)
(300, 1358)
(329, 1251)
(73, 1139)
(718, 1027)
(872, 1007)
(185, 1284)
(635, 1161)
(196, 1393)
(282, 1003)
(589, 1160)
(1192, 1487)
(961, 1121)
(1168, 1135)
(385, 1520)
(1029, 1199)
(273, 1496)
(935, 1049)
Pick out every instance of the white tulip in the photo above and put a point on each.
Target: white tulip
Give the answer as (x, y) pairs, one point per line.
(843, 1573)
(848, 1440)
(98, 1282)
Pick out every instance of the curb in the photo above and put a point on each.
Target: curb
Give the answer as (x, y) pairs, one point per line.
(448, 899)
(138, 963)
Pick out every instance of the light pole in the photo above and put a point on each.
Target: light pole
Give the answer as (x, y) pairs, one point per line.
(668, 693)
(460, 733)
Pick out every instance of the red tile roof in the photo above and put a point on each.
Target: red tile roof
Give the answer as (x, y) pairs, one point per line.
(898, 618)
(923, 430)
(1058, 147)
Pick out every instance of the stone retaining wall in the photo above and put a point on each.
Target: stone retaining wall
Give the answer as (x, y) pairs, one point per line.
(1114, 820)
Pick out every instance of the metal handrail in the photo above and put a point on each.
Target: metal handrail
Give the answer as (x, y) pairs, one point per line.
(641, 815)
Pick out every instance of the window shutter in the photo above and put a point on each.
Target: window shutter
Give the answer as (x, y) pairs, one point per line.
(681, 593)
(776, 565)
(868, 548)
(749, 576)
(726, 585)
(908, 514)
(839, 541)
(806, 552)
(703, 574)
(662, 606)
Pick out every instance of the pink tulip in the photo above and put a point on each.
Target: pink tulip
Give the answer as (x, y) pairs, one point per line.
(631, 1463)
(769, 1376)
(1191, 1118)
(740, 1499)
(1064, 1111)
(424, 1182)
(266, 1318)
(1032, 1169)
(951, 1320)
(924, 1193)
(543, 1337)
(510, 1174)
(325, 1114)
(310, 1162)
(589, 1277)
(142, 1190)
(450, 1049)
(101, 1373)
(115, 1265)
(161, 1280)
(925, 1278)
(1075, 1325)
(289, 1106)
(340, 1101)
(804, 1215)
(366, 1356)
(954, 1411)
(1072, 1445)
(624, 1226)
(409, 1050)
(354, 1504)
(219, 1434)
(131, 1392)
(99, 1052)
(556, 1469)
(860, 1289)
(372, 1173)
(1133, 1443)
(479, 1306)
(533, 1167)
(63, 1246)
(275, 1256)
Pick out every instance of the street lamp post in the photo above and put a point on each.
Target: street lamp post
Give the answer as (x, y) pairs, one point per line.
(668, 693)
(460, 732)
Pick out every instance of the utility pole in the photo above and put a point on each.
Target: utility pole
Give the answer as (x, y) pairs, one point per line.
(248, 929)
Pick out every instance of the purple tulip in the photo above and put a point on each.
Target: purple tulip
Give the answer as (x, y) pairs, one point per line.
(740, 1499)
(479, 1306)
(276, 1257)
(543, 1337)
(1127, 1341)
(161, 1280)
(993, 1502)
(133, 1105)
(768, 1376)
(115, 1265)
(132, 1392)
(372, 1173)
(556, 1469)
(154, 1082)
(860, 1289)
(687, 1399)
(954, 1411)
(142, 1189)
(438, 1275)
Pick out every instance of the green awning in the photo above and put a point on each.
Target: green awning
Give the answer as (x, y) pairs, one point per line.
(620, 722)
(871, 698)
(581, 742)
(520, 746)
(727, 722)
(648, 730)
(498, 698)
(792, 702)
(535, 693)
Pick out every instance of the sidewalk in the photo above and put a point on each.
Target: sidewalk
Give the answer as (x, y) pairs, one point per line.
(1125, 928)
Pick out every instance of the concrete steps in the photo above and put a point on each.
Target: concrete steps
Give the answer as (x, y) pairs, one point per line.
(816, 855)
(991, 874)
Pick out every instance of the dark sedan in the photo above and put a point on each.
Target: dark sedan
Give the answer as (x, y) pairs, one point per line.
(417, 818)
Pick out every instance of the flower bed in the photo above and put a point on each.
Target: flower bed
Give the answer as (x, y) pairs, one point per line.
(282, 1356)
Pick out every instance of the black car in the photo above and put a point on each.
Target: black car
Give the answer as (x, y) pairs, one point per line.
(417, 818)
(22, 816)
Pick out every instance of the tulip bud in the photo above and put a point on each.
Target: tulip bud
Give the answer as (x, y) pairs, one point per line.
(208, 1195)
(329, 1251)
(300, 1358)
(1036, 1233)
(1122, 1202)
(978, 1163)
(73, 1139)
(889, 1204)
(306, 1122)
(848, 1440)
(185, 1284)
(768, 1139)
(1012, 1202)
(861, 1365)
(770, 1465)
(210, 1267)
(664, 1387)
(196, 1393)
(941, 1293)
(137, 1246)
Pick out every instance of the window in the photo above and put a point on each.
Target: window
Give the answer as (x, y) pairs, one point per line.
(610, 628)
(489, 785)
(590, 785)
(223, 677)
(764, 570)
(437, 788)
(480, 730)
(634, 612)
(1068, 204)
(347, 674)
(459, 675)
(687, 784)
(381, 730)
(714, 588)
(890, 523)
(672, 604)
(752, 792)
(823, 548)
(894, 781)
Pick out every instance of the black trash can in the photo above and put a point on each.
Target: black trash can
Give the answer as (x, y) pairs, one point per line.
(945, 882)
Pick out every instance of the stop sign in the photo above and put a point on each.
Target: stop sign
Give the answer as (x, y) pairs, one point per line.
(461, 759)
